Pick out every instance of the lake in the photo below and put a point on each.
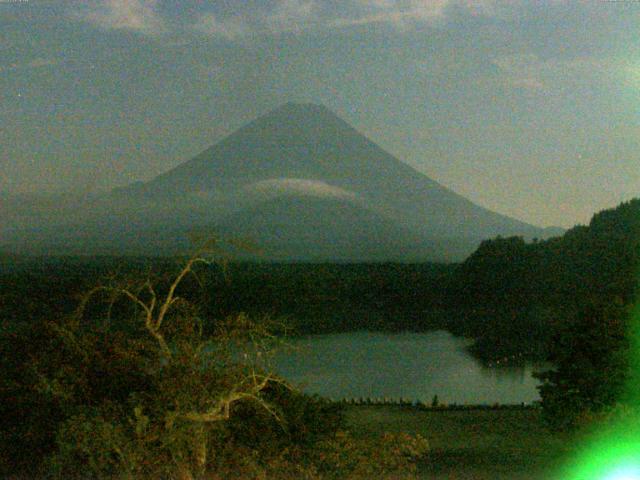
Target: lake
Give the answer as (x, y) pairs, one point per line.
(415, 366)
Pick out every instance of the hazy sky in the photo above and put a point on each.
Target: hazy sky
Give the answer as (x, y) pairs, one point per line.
(530, 108)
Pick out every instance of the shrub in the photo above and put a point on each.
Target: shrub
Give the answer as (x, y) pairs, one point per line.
(590, 359)
(389, 456)
(116, 392)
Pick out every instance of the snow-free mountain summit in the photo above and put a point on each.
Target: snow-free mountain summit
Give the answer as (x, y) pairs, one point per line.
(305, 185)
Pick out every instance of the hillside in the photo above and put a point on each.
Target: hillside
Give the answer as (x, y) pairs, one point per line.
(513, 295)
(282, 167)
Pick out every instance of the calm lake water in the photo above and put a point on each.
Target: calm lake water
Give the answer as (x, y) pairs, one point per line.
(408, 365)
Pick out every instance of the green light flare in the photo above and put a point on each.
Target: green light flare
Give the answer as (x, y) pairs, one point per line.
(614, 457)
(625, 473)
(630, 473)
(614, 452)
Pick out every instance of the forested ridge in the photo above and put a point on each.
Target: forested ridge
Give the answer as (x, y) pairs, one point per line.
(510, 295)
(513, 296)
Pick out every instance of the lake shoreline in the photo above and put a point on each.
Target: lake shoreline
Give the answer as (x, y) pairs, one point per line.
(369, 367)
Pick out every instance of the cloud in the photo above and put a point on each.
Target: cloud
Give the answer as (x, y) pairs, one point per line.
(286, 16)
(237, 20)
(136, 15)
(229, 28)
(527, 70)
(290, 15)
(403, 13)
(38, 62)
(315, 188)
(303, 15)
(396, 12)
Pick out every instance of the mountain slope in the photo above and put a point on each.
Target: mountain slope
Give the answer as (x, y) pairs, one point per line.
(323, 229)
(306, 141)
(299, 166)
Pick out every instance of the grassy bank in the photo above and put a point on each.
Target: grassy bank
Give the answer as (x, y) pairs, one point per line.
(474, 445)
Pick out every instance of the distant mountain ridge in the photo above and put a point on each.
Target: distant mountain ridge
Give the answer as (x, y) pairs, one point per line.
(303, 158)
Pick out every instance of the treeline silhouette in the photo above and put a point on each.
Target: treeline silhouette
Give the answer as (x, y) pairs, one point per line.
(512, 296)
(307, 298)
(509, 295)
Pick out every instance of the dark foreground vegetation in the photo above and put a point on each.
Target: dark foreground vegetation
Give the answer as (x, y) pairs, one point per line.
(517, 295)
(131, 386)
(152, 368)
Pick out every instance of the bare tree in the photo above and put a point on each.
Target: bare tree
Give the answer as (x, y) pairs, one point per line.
(238, 345)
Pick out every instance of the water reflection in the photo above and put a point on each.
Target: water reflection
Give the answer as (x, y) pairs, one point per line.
(415, 366)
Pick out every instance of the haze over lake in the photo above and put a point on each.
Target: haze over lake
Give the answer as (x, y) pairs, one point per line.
(408, 365)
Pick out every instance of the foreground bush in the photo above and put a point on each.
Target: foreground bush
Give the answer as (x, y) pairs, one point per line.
(591, 362)
(130, 387)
